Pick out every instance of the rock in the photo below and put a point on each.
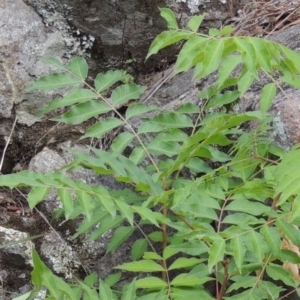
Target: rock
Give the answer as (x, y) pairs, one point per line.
(19, 254)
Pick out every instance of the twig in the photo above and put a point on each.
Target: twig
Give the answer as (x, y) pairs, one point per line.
(7, 143)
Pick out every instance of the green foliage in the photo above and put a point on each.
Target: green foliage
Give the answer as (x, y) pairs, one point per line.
(224, 228)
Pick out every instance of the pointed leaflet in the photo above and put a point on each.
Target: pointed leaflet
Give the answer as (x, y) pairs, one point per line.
(125, 210)
(123, 93)
(248, 54)
(75, 96)
(169, 16)
(105, 292)
(221, 99)
(250, 207)
(189, 280)
(82, 112)
(138, 109)
(138, 249)
(245, 82)
(263, 57)
(228, 64)
(53, 81)
(289, 231)
(137, 155)
(267, 95)
(78, 67)
(106, 224)
(183, 262)
(119, 237)
(272, 237)
(141, 266)
(165, 39)
(130, 291)
(42, 276)
(112, 279)
(146, 214)
(89, 293)
(216, 253)
(121, 142)
(287, 175)
(87, 203)
(239, 250)
(213, 51)
(295, 209)
(292, 55)
(172, 120)
(258, 244)
(166, 148)
(37, 195)
(195, 22)
(67, 201)
(278, 273)
(54, 62)
(150, 282)
(105, 81)
(188, 52)
(99, 129)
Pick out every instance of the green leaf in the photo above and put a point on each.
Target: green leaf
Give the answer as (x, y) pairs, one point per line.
(105, 292)
(188, 108)
(195, 22)
(91, 279)
(213, 51)
(149, 283)
(54, 62)
(221, 99)
(287, 175)
(138, 109)
(190, 49)
(183, 262)
(23, 297)
(169, 149)
(189, 280)
(239, 250)
(67, 201)
(250, 207)
(289, 256)
(267, 95)
(138, 249)
(107, 202)
(106, 224)
(99, 129)
(226, 30)
(121, 142)
(262, 54)
(75, 96)
(105, 81)
(78, 67)
(37, 195)
(112, 279)
(295, 209)
(89, 293)
(165, 39)
(289, 231)
(137, 155)
(123, 93)
(242, 282)
(273, 239)
(278, 273)
(194, 247)
(228, 64)
(245, 82)
(216, 253)
(173, 120)
(119, 237)
(86, 202)
(248, 54)
(53, 81)
(130, 291)
(152, 256)
(141, 266)
(146, 214)
(258, 244)
(82, 112)
(126, 211)
(169, 16)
